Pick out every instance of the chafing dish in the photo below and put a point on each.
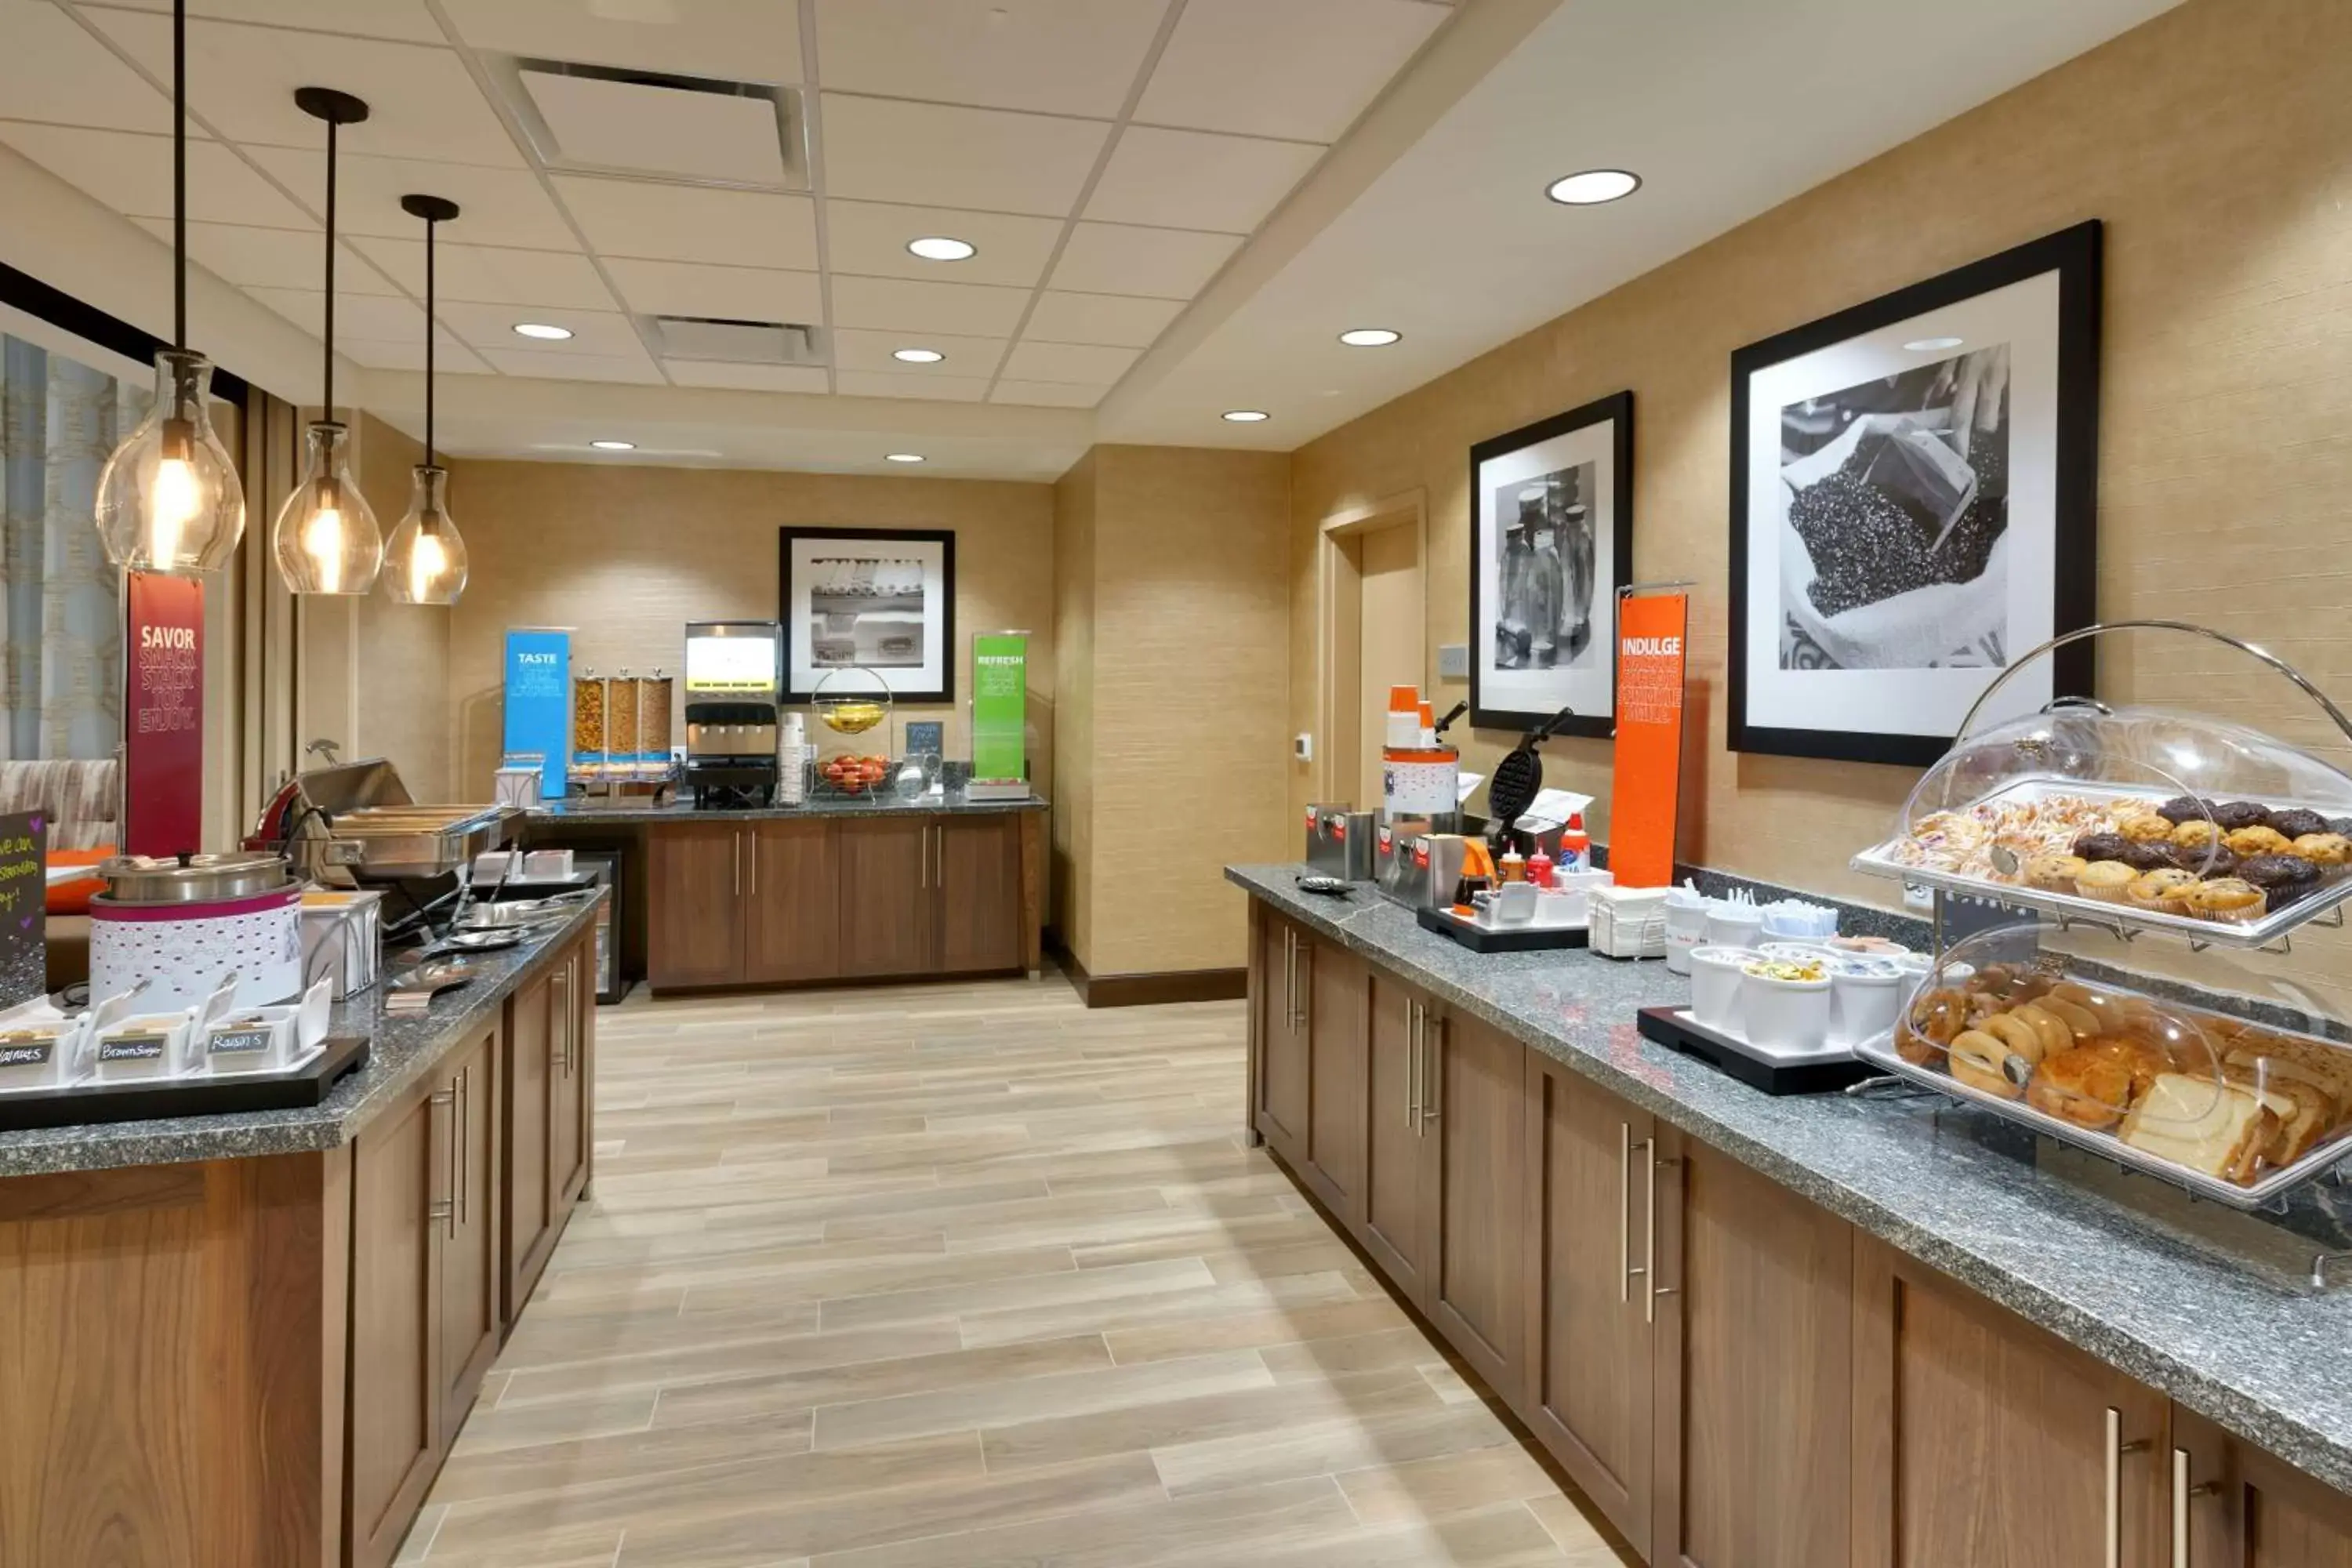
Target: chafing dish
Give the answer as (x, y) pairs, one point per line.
(355, 822)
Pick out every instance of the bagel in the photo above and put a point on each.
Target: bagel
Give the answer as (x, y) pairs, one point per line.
(2056, 1036)
(2070, 1013)
(1982, 1060)
(1939, 1014)
(2019, 1035)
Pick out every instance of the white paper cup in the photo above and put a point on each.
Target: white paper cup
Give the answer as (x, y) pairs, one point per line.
(1785, 1016)
(1864, 999)
(1716, 985)
(1734, 925)
(1685, 929)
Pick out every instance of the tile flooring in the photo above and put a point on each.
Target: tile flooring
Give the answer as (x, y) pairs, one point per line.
(964, 1276)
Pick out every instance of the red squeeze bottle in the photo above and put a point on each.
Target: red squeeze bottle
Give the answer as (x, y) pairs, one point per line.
(1539, 869)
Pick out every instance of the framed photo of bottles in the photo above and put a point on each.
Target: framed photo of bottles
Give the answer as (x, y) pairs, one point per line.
(1551, 540)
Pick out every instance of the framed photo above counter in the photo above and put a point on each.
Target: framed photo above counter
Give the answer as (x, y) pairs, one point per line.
(1551, 540)
(883, 599)
(1914, 499)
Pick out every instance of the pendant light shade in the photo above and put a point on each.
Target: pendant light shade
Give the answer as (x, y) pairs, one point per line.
(169, 499)
(326, 538)
(426, 558)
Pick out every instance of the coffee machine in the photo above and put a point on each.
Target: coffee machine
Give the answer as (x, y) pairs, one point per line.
(734, 681)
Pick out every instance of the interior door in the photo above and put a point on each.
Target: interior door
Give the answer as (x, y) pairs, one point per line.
(694, 896)
(1335, 1081)
(1394, 1226)
(393, 1439)
(1474, 1108)
(1589, 1334)
(528, 1196)
(2231, 1505)
(1288, 962)
(977, 861)
(889, 897)
(792, 903)
(1388, 639)
(471, 1283)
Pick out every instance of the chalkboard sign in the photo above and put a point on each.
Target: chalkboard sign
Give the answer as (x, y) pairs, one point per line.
(24, 905)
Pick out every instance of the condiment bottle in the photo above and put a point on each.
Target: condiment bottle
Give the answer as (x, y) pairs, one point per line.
(1539, 868)
(1575, 846)
(1513, 866)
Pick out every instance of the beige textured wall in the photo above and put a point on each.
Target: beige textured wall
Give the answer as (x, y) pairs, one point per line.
(2213, 142)
(628, 554)
(1073, 727)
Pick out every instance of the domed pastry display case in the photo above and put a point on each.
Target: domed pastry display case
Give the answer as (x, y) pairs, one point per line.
(2134, 818)
(2219, 1079)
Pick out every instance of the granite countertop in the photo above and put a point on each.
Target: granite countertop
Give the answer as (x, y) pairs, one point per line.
(1957, 1189)
(604, 813)
(402, 1050)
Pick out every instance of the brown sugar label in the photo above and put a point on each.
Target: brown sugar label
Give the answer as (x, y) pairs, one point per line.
(131, 1048)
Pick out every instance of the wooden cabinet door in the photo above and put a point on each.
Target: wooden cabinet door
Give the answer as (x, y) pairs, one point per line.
(569, 1112)
(694, 898)
(792, 903)
(1753, 1370)
(1981, 1441)
(471, 1286)
(2231, 1505)
(527, 1196)
(1394, 1224)
(1284, 1072)
(394, 1440)
(1333, 993)
(1474, 1110)
(1588, 1329)
(976, 867)
(890, 900)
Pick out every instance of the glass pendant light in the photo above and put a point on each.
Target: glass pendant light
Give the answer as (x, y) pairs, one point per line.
(168, 498)
(326, 537)
(426, 561)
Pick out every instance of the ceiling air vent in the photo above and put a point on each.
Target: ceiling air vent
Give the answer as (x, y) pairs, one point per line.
(599, 120)
(735, 343)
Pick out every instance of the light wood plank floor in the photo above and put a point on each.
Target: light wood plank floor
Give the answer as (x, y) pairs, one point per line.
(962, 1276)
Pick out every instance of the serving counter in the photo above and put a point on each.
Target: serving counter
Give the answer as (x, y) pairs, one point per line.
(251, 1339)
(1853, 1331)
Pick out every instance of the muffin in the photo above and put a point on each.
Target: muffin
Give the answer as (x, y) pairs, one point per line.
(2105, 880)
(2341, 825)
(2055, 873)
(2148, 857)
(2260, 839)
(2101, 846)
(2183, 808)
(2297, 823)
(2325, 850)
(2228, 899)
(2238, 814)
(2197, 833)
(2284, 878)
(2147, 827)
(2220, 860)
(2161, 892)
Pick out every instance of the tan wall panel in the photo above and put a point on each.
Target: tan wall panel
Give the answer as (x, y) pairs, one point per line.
(403, 681)
(1074, 716)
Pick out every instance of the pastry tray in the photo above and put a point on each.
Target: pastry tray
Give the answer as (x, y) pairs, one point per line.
(2329, 895)
(297, 1088)
(2270, 1192)
(1824, 1071)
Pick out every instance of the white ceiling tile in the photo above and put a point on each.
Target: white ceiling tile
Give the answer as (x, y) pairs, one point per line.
(749, 377)
(930, 388)
(406, 19)
(1054, 57)
(871, 237)
(1300, 69)
(594, 333)
(448, 358)
(270, 258)
(857, 348)
(53, 70)
(491, 274)
(501, 206)
(970, 309)
(692, 223)
(132, 174)
(421, 103)
(1068, 361)
(1165, 263)
(728, 40)
(725, 293)
(1100, 319)
(659, 130)
(1048, 394)
(1188, 179)
(379, 317)
(639, 367)
(930, 155)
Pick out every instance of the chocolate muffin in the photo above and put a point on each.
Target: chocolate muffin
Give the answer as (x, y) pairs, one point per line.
(2096, 846)
(2284, 878)
(2148, 857)
(2215, 861)
(2240, 814)
(2340, 824)
(2183, 808)
(2296, 823)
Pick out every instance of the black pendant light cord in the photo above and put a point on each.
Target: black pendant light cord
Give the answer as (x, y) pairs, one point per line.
(430, 227)
(330, 271)
(179, 173)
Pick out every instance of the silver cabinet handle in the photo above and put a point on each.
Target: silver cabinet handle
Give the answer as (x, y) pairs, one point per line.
(1433, 1065)
(1306, 987)
(1413, 1065)
(445, 1209)
(752, 859)
(560, 1053)
(1625, 1210)
(2116, 1449)
(735, 844)
(2182, 1495)
(464, 1154)
(1289, 978)
(1649, 1235)
(940, 840)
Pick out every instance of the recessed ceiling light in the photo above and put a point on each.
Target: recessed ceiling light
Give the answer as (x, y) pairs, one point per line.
(614, 446)
(542, 329)
(902, 457)
(940, 248)
(1592, 187)
(1368, 337)
(1246, 415)
(918, 356)
(1932, 345)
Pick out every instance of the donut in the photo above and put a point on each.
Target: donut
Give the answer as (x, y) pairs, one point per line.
(2054, 1034)
(1980, 1061)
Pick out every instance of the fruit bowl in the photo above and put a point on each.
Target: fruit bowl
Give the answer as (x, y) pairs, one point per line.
(849, 773)
(851, 699)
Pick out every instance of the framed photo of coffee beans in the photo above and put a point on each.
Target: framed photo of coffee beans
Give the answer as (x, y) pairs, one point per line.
(1551, 540)
(1914, 498)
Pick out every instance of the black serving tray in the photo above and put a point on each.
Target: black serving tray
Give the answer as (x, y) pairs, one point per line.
(1671, 1027)
(1516, 939)
(83, 1104)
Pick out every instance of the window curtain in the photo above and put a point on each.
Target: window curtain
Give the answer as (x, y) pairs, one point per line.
(60, 619)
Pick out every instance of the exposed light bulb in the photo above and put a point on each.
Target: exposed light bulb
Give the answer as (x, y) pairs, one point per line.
(326, 538)
(168, 498)
(171, 505)
(426, 561)
(322, 542)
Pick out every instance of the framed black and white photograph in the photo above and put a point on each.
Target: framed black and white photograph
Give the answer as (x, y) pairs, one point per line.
(883, 599)
(1913, 496)
(1551, 542)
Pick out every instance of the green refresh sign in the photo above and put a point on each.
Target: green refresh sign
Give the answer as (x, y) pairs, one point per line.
(1000, 706)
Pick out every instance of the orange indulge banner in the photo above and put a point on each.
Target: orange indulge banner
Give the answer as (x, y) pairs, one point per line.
(1650, 635)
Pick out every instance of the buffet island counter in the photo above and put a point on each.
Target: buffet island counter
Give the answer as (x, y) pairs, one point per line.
(841, 887)
(1800, 1329)
(251, 1339)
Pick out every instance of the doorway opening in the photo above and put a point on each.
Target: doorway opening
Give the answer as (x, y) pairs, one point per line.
(1374, 634)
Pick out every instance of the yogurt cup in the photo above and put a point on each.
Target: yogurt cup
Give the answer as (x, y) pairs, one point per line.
(1717, 978)
(1866, 994)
